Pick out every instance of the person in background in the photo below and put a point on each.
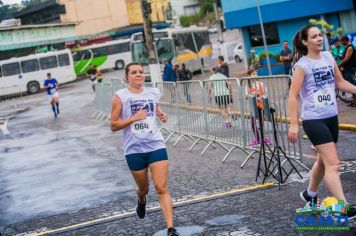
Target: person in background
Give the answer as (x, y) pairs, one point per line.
(181, 76)
(99, 75)
(256, 88)
(91, 73)
(338, 50)
(168, 72)
(286, 56)
(221, 87)
(51, 85)
(254, 61)
(223, 67)
(348, 65)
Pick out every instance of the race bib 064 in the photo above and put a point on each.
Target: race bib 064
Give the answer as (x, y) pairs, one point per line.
(143, 126)
(324, 98)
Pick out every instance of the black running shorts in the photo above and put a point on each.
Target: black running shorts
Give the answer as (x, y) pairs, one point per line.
(322, 131)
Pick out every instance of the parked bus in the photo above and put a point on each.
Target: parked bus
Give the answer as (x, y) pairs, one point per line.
(29, 72)
(113, 54)
(180, 45)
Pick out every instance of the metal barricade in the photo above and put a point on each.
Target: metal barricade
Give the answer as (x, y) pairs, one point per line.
(272, 93)
(223, 115)
(168, 105)
(11, 96)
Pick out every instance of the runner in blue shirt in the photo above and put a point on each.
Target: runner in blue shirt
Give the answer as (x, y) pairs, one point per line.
(51, 84)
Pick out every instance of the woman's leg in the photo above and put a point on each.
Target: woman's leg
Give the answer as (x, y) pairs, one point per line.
(317, 174)
(329, 156)
(159, 171)
(142, 183)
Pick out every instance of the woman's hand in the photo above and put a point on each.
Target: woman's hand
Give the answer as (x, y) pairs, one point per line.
(140, 115)
(293, 133)
(162, 116)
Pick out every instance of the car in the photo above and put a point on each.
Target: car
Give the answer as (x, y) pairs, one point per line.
(213, 30)
(238, 53)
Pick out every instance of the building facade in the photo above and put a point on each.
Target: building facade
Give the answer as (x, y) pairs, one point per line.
(283, 18)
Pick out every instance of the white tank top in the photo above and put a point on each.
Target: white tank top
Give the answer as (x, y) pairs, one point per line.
(318, 90)
(141, 136)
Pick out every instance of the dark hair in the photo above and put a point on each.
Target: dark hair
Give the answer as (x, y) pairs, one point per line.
(299, 48)
(250, 71)
(345, 38)
(221, 58)
(48, 74)
(127, 68)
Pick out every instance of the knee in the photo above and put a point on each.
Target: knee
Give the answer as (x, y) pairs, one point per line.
(161, 189)
(143, 190)
(333, 166)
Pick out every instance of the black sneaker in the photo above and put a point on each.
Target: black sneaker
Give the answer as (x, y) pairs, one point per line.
(172, 232)
(141, 209)
(351, 212)
(306, 198)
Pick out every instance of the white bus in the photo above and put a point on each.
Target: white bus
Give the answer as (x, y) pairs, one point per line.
(190, 46)
(29, 72)
(112, 54)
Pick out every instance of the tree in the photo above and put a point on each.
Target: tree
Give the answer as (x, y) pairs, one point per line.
(326, 27)
(6, 11)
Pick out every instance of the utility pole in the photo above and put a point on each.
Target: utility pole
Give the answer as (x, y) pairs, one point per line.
(263, 37)
(220, 31)
(155, 71)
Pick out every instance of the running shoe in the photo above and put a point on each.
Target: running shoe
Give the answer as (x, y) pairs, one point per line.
(254, 143)
(234, 116)
(308, 199)
(305, 136)
(172, 232)
(141, 209)
(351, 211)
(267, 141)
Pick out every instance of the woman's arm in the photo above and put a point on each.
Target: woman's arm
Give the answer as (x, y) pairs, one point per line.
(296, 86)
(341, 83)
(117, 123)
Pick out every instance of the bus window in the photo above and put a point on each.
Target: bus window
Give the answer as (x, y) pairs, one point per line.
(0, 72)
(63, 60)
(99, 52)
(30, 66)
(201, 39)
(48, 62)
(139, 53)
(184, 41)
(11, 69)
(165, 49)
(118, 48)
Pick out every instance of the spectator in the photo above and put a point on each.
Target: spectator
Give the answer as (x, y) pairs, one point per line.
(168, 72)
(181, 76)
(254, 62)
(286, 58)
(348, 65)
(338, 50)
(223, 67)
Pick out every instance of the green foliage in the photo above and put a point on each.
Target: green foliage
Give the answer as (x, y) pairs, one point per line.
(326, 27)
(196, 19)
(271, 55)
(6, 11)
(206, 6)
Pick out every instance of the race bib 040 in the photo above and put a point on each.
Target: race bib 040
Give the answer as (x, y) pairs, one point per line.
(324, 98)
(143, 126)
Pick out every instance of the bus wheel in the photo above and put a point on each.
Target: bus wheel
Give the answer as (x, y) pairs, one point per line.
(119, 65)
(33, 87)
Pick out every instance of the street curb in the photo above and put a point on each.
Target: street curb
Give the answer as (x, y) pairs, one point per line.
(349, 127)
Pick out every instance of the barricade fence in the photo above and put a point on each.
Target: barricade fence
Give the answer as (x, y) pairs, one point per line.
(219, 112)
(12, 96)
